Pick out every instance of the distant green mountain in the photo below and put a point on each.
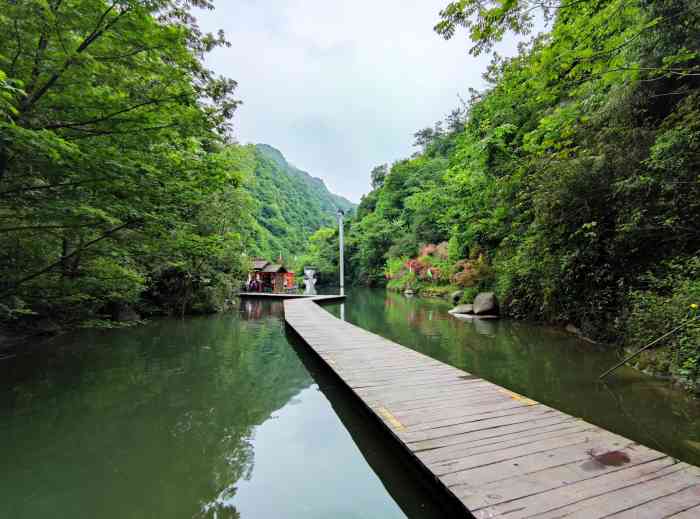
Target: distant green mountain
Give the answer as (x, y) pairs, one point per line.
(290, 205)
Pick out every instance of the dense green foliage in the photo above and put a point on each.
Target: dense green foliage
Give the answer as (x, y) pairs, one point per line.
(114, 174)
(570, 185)
(119, 185)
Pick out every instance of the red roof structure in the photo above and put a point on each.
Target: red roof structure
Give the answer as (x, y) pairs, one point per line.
(266, 276)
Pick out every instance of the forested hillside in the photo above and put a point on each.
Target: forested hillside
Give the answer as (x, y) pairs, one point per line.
(570, 186)
(290, 205)
(120, 185)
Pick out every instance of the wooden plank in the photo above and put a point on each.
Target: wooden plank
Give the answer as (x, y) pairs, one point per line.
(690, 513)
(419, 381)
(416, 380)
(666, 506)
(437, 420)
(419, 417)
(272, 295)
(581, 441)
(486, 424)
(438, 405)
(465, 461)
(522, 466)
(386, 379)
(499, 453)
(420, 394)
(566, 499)
(507, 492)
(453, 402)
(454, 452)
(609, 500)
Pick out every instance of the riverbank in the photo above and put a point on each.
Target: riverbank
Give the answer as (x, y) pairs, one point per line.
(13, 340)
(675, 360)
(458, 296)
(19, 332)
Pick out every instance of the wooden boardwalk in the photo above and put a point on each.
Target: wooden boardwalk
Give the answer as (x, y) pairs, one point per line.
(499, 453)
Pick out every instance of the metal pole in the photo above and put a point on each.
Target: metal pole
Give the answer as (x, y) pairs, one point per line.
(627, 359)
(341, 262)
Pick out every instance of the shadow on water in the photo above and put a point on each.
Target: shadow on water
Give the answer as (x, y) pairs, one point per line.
(416, 493)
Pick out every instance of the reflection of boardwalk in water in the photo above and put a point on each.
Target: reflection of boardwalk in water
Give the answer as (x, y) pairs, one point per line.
(498, 452)
(413, 492)
(255, 309)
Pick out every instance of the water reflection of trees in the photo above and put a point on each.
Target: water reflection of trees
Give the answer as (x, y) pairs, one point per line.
(254, 309)
(157, 419)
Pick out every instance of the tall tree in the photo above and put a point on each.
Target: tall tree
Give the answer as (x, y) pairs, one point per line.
(112, 143)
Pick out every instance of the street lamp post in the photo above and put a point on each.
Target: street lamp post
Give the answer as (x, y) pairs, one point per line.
(341, 262)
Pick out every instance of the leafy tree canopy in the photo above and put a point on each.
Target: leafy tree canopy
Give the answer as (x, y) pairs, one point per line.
(112, 153)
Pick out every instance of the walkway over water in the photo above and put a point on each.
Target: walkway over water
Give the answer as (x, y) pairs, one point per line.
(497, 452)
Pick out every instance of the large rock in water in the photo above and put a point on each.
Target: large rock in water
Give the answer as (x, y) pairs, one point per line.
(485, 303)
(456, 296)
(462, 309)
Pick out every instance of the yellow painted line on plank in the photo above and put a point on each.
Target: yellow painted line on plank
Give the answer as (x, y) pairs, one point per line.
(393, 421)
(516, 396)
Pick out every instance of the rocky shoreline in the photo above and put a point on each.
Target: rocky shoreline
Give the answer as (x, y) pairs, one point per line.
(484, 306)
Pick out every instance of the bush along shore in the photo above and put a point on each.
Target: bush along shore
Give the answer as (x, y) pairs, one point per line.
(119, 189)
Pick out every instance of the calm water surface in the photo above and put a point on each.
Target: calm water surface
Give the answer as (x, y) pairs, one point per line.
(228, 416)
(207, 417)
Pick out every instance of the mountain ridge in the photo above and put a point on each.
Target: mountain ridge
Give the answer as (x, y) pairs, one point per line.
(276, 155)
(291, 204)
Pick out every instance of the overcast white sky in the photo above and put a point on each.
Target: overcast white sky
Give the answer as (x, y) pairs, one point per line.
(338, 86)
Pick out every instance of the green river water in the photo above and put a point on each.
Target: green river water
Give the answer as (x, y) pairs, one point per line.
(229, 416)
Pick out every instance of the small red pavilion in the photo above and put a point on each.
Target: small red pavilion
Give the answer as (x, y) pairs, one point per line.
(266, 276)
